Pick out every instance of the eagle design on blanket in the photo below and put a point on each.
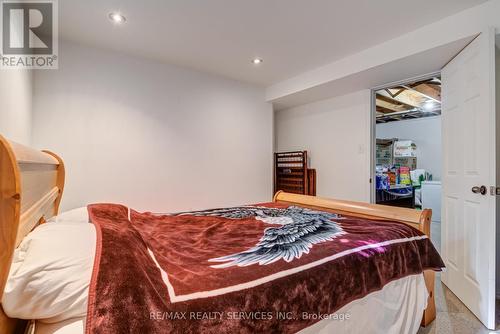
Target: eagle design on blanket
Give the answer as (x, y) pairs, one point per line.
(300, 229)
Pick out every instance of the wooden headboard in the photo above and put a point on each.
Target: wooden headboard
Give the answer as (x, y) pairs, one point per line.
(31, 187)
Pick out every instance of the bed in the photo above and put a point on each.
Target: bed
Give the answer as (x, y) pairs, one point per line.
(32, 183)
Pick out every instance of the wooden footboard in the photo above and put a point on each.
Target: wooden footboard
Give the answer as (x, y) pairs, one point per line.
(420, 220)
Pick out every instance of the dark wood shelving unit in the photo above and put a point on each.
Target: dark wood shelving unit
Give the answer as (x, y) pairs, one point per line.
(291, 173)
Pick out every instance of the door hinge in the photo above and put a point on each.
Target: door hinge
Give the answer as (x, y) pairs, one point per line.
(495, 191)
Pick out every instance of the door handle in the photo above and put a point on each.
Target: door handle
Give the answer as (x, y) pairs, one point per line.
(479, 190)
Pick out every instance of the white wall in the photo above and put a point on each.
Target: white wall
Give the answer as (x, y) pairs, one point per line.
(16, 93)
(336, 134)
(150, 135)
(16, 104)
(426, 133)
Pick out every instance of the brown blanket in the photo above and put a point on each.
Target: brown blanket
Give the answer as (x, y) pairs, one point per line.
(256, 269)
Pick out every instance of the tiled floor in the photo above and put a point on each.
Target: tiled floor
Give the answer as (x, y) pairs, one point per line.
(452, 316)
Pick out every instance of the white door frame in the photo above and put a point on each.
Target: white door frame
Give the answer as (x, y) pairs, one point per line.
(373, 122)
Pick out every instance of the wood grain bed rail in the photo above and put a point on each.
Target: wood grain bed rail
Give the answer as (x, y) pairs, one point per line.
(31, 186)
(420, 220)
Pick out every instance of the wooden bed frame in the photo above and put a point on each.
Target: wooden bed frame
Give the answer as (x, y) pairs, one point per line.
(31, 187)
(421, 220)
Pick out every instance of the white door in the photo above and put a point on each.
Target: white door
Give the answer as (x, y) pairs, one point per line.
(468, 217)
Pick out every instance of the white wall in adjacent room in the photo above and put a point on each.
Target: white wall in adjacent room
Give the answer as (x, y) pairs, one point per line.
(152, 136)
(15, 105)
(336, 134)
(426, 133)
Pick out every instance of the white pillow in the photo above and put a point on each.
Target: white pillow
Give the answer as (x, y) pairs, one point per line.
(51, 270)
(80, 215)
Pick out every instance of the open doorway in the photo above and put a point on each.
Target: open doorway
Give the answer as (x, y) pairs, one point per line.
(464, 230)
(408, 146)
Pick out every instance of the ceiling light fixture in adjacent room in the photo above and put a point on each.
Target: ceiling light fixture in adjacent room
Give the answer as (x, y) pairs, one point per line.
(429, 106)
(117, 18)
(257, 61)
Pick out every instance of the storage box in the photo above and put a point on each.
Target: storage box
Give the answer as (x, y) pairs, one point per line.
(404, 176)
(409, 162)
(404, 149)
(384, 152)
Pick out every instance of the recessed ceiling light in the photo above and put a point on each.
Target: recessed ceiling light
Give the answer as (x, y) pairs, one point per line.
(257, 61)
(117, 18)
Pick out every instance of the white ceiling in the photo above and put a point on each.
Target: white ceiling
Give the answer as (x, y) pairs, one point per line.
(222, 36)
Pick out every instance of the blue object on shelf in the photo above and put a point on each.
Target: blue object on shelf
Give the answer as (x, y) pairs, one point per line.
(382, 181)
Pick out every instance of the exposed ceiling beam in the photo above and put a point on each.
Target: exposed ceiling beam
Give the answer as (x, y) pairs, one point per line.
(385, 110)
(430, 89)
(401, 112)
(390, 106)
(423, 94)
(394, 95)
(399, 92)
(402, 101)
(407, 101)
(413, 113)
